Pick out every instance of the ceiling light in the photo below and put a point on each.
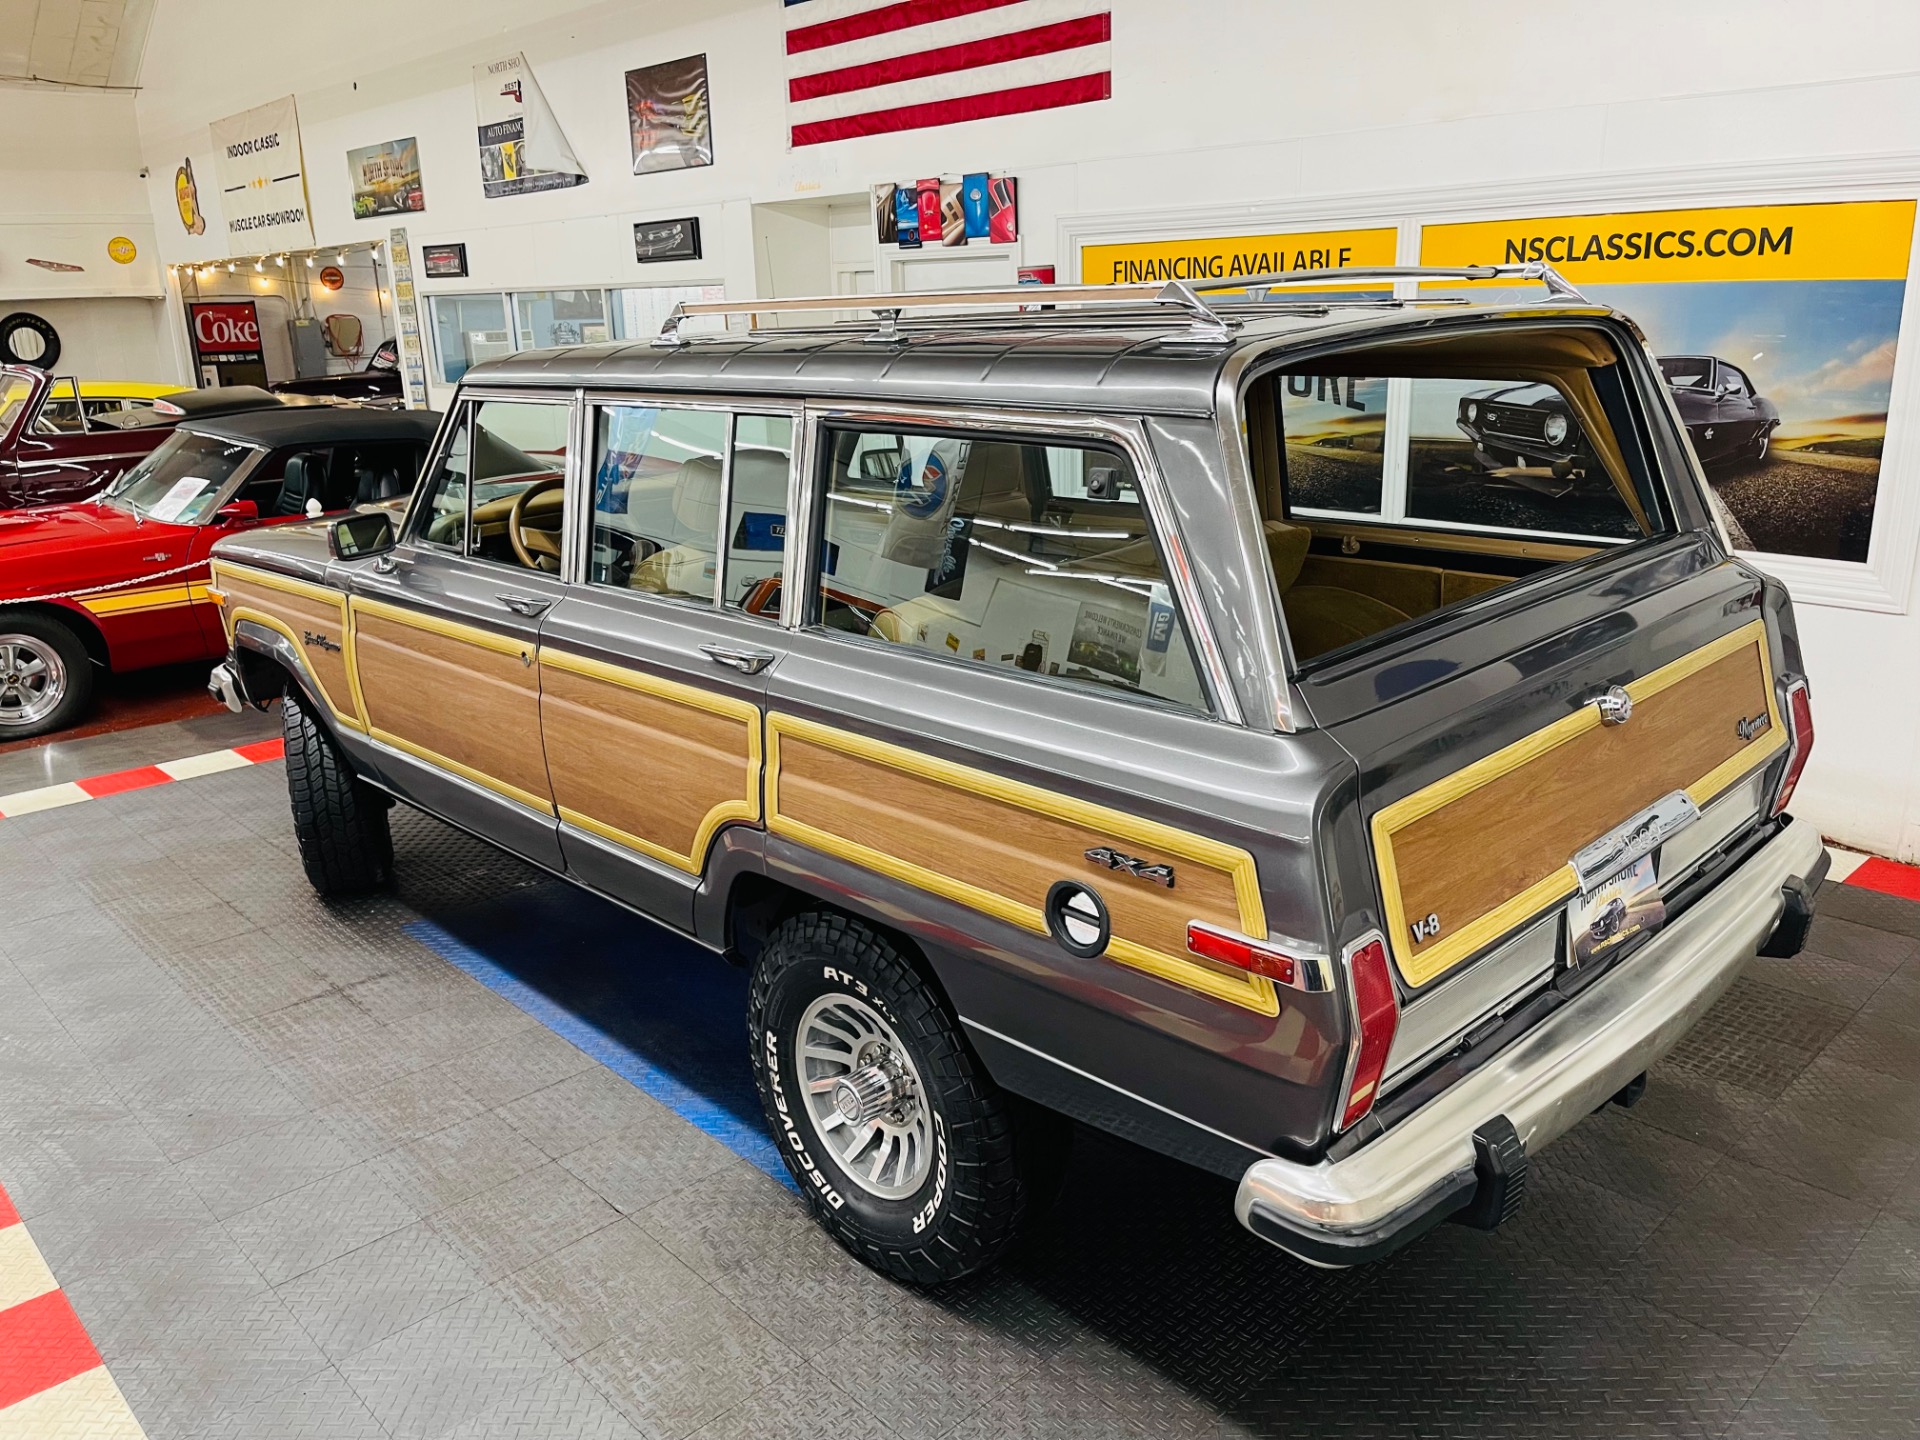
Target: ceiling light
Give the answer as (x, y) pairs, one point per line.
(260, 264)
(281, 261)
(230, 267)
(341, 258)
(309, 262)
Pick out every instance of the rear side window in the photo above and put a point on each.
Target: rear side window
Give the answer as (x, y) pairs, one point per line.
(1021, 555)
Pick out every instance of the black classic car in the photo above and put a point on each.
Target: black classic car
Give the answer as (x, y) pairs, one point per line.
(375, 383)
(1726, 418)
(1522, 428)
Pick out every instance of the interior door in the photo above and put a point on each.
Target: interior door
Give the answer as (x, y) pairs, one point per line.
(653, 670)
(445, 628)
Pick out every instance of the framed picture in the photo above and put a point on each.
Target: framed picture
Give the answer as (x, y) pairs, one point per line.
(443, 262)
(656, 240)
(668, 117)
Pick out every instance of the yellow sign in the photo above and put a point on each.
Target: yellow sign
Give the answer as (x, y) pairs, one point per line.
(1854, 240)
(1226, 257)
(120, 250)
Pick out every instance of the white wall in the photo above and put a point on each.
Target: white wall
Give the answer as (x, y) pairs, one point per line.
(1226, 112)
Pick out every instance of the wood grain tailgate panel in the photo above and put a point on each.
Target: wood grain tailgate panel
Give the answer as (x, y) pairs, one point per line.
(1491, 845)
(1000, 846)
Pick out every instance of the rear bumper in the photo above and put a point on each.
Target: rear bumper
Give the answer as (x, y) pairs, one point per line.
(1430, 1165)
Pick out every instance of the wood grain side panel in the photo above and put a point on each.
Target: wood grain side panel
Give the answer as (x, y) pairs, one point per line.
(656, 769)
(476, 706)
(1006, 850)
(299, 616)
(1516, 832)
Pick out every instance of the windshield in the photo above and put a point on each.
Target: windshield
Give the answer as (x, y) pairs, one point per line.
(181, 481)
(1693, 372)
(14, 391)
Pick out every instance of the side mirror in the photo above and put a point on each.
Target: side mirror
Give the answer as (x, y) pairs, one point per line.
(355, 537)
(237, 512)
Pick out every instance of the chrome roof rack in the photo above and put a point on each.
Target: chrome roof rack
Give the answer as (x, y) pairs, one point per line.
(1209, 321)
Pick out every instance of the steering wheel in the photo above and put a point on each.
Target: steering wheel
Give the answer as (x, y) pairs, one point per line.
(529, 543)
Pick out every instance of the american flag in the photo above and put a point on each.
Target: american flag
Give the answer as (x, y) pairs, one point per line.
(871, 67)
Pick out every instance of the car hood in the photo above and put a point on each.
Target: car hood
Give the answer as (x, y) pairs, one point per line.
(71, 543)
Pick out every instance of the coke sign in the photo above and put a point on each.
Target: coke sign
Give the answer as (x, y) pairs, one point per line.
(225, 331)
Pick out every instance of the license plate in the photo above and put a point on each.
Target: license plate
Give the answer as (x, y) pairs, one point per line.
(1624, 907)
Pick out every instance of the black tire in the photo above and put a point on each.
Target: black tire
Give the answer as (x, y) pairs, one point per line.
(36, 645)
(988, 1170)
(45, 348)
(339, 819)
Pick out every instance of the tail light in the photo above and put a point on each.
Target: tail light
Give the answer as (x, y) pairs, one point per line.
(1800, 724)
(1376, 1016)
(1301, 967)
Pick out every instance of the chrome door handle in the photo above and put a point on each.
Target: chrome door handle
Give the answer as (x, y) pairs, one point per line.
(748, 662)
(528, 605)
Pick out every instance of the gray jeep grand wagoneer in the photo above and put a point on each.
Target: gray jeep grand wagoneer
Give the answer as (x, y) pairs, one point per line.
(1133, 704)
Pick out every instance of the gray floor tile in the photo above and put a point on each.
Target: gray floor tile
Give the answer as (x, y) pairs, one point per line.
(656, 1155)
(322, 1407)
(459, 1162)
(403, 1109)
(578, 1111)
(505, 1070)
(516, 1223)
(267, 1164)
(323, 1219)
(560, 1404)
(608, 1283)
(456, 1364)
(378, 1290)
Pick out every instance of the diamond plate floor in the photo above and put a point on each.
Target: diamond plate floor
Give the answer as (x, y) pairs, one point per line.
(302, 1177)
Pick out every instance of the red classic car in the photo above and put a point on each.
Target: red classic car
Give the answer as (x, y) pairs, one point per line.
(120, 582)
(56, 452)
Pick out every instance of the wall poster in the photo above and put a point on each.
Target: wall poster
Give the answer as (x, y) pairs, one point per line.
(1776, 327)
(668, 118)
(413, 360)
(263, 187)
(522, 148)
(386, 178)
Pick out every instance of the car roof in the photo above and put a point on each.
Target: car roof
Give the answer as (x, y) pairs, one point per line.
(1151, 368)
(317, 425)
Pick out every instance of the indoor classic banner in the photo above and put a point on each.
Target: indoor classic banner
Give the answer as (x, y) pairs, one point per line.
(522, 148)
(1776, 327)
(263, 186)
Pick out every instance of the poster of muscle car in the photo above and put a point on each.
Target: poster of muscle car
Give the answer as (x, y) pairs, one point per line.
(386, 178)
(522, 148)
(1776, 328)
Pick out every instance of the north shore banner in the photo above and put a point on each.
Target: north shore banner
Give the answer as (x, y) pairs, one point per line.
(522, 148)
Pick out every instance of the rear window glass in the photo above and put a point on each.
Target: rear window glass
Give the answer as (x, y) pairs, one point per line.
(1403, 479)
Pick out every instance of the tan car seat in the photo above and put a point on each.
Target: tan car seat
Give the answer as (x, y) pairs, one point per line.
(687, 568)
(1320, 617)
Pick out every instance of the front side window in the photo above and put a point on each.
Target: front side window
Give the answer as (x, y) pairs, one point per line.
(1036, 556)
(181, 481)
(60, 415)
(657, 480)
(499, 492)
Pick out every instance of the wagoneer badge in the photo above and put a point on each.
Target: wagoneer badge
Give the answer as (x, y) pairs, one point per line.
(1615, 706)
(1752, 725)
(1642, 835)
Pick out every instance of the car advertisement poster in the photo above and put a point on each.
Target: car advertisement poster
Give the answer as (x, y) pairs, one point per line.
(668, 116)
(1224, 257)
(386, 178)
(522, 148)
(1776, 326)
(263, 186)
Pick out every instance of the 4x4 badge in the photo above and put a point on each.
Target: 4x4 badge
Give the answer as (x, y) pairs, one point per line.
(1131, 865)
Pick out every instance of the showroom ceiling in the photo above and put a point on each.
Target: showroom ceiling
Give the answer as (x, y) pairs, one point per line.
(74, 42)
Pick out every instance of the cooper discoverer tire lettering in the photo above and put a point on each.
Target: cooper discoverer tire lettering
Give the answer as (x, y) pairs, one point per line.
(929, 1172)
(339, 819)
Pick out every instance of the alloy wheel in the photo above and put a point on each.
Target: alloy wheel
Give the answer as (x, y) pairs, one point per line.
(864, 1096)
(33, 680)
